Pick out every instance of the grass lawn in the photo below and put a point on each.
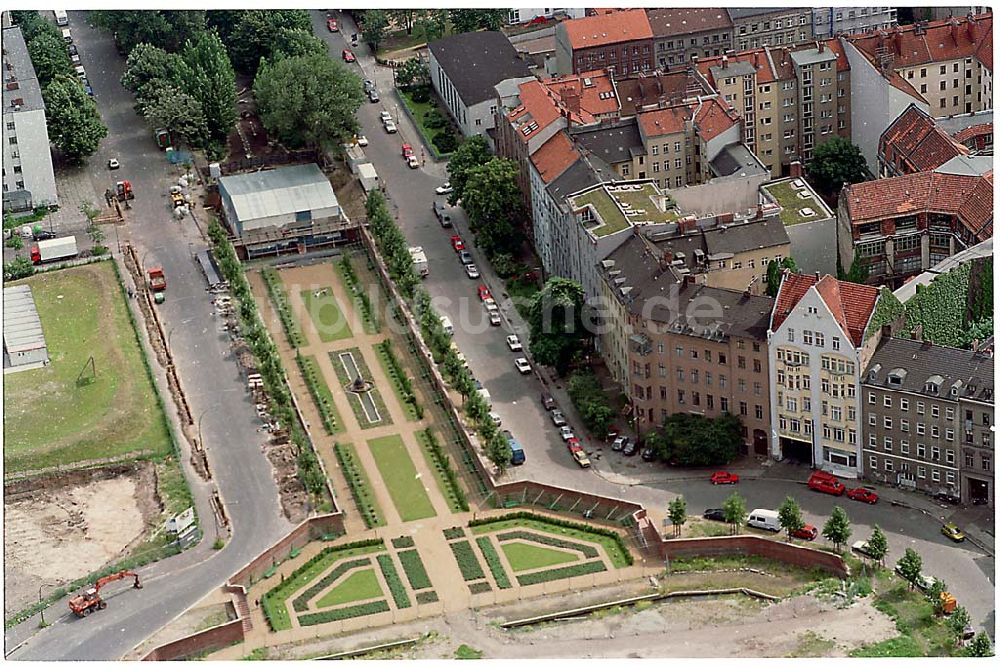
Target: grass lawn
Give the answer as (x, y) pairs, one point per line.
(326, 315)
(359, 586)
(523, 556)
(51, 420)
(400, 477)
(613, 550)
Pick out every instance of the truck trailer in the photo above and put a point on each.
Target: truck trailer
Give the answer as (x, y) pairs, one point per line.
(419, 261)
(53, 249)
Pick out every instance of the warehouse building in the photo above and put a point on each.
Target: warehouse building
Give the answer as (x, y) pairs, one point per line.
(23, 341)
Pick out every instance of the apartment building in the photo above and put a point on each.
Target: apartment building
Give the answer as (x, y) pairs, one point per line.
(770, 26)
(682, 33)
(28, 179)
(819, 340)
(621, 43)
(790, 99)
(904, 225)
(835, 21)
(681, 347)
(927, 417)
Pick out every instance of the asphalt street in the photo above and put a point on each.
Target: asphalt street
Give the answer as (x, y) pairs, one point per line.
(209, 374)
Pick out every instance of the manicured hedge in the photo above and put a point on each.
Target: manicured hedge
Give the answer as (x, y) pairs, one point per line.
(588, 551)
(347, 613)
(480, 588)
(558, 574)
(301, 602)
(493, 561)
(403, 542)
(625, 553)
(440, 464)
(359, 295)
(427, 597)
(361, 488)
(414, 569)
(399, 595)
(454, 533)
(283, 307)
(320, 393)
(467, 562)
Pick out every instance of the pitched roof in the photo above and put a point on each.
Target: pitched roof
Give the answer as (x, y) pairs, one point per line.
(964, 369)
(687, 20)
(851, 304)
(916, 138)
(937, 41)
(970, 198)
(591, 31)
(554, 157)
(476, 62)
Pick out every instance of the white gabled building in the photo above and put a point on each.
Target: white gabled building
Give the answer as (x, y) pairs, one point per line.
(820, 339)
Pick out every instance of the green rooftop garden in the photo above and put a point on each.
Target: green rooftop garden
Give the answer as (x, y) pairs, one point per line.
(611, 207)
(791, 204)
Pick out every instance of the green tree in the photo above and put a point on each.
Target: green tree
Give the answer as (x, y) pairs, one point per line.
(957, 622)
(412, 73)
(677, 512)
(909, 566)
(878, 546)
(555, 317)
(790, 516)
(178, 112)
(835, 163)
(473, 152)
(375, 27)
(979, 647)
(213, 84)
(837, 528)
(775, 269)
(74, 124)
(498, 451)
(734, 508)
(492, 199)
(49, 57)
(310, 100)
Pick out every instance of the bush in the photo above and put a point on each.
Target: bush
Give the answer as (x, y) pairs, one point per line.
(494, 563)
(413, 567)
(402, 542)
(399, 595)
(467, 562)
(445, 141)
(344, 613)
(558, 574)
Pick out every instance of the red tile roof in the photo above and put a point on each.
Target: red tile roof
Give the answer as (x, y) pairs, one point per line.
(591, 31)
(917, 138)
(663, 121)
(713, 118)
(687, 20)
(970, 198)
(937, 41)
(851, 304)
(555, 156)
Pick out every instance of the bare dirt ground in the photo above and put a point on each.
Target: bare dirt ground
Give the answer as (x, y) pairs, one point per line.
(63, 530)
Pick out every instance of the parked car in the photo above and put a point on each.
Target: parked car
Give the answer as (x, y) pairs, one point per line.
(484, 292)
(862, 494)
(714, 514)
(457, 244)
(347, 55)
(557, 416)
(952, 531)
(722, 478)
(619, 443)
(465, 257)
(444, 189)
(514, 343)
(807, 532)
(331, 25)
(825, 482)
(522, 365)
(472, 271)
(390, 127)
(631, 448)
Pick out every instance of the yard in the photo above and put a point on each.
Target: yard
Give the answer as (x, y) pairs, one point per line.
(401, 479)
(73, 410)
(326, 315)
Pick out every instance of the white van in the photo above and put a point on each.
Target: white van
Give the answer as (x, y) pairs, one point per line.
(764, 519)
(446, 325)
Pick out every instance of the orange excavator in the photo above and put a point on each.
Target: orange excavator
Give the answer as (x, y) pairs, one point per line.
(84, 604)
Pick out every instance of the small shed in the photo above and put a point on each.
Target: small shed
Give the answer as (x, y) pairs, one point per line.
(23, 341)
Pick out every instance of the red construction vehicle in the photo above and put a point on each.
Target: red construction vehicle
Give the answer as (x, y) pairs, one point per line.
(123, 189)
(84, 604)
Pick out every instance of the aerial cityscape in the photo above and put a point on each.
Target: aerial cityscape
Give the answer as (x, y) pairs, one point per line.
(498, 333)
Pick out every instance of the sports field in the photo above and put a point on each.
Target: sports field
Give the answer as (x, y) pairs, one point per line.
(65, 413)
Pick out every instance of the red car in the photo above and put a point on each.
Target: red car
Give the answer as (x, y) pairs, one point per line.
(724, 478)
(807, 532)
(484, 292)
(331, 25)
(827, 483)
(457, 244)
(861, 494)
(347, 55)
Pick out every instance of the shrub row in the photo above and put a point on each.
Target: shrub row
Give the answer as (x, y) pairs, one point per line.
(301, 602)
(403, 542)
(396, 586)
(283, 307)
(361, 299)
(467, 562)
(493, 561)
(413, 566)
(442, 464)
(454, 533)
(319, 391)
(274, 599)
(582, 527)
(371, 608)
(402, 383)
(360, 486)
(588, 551)
(269, 362)
(427, 597)
(480, 588)
(558, 574)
